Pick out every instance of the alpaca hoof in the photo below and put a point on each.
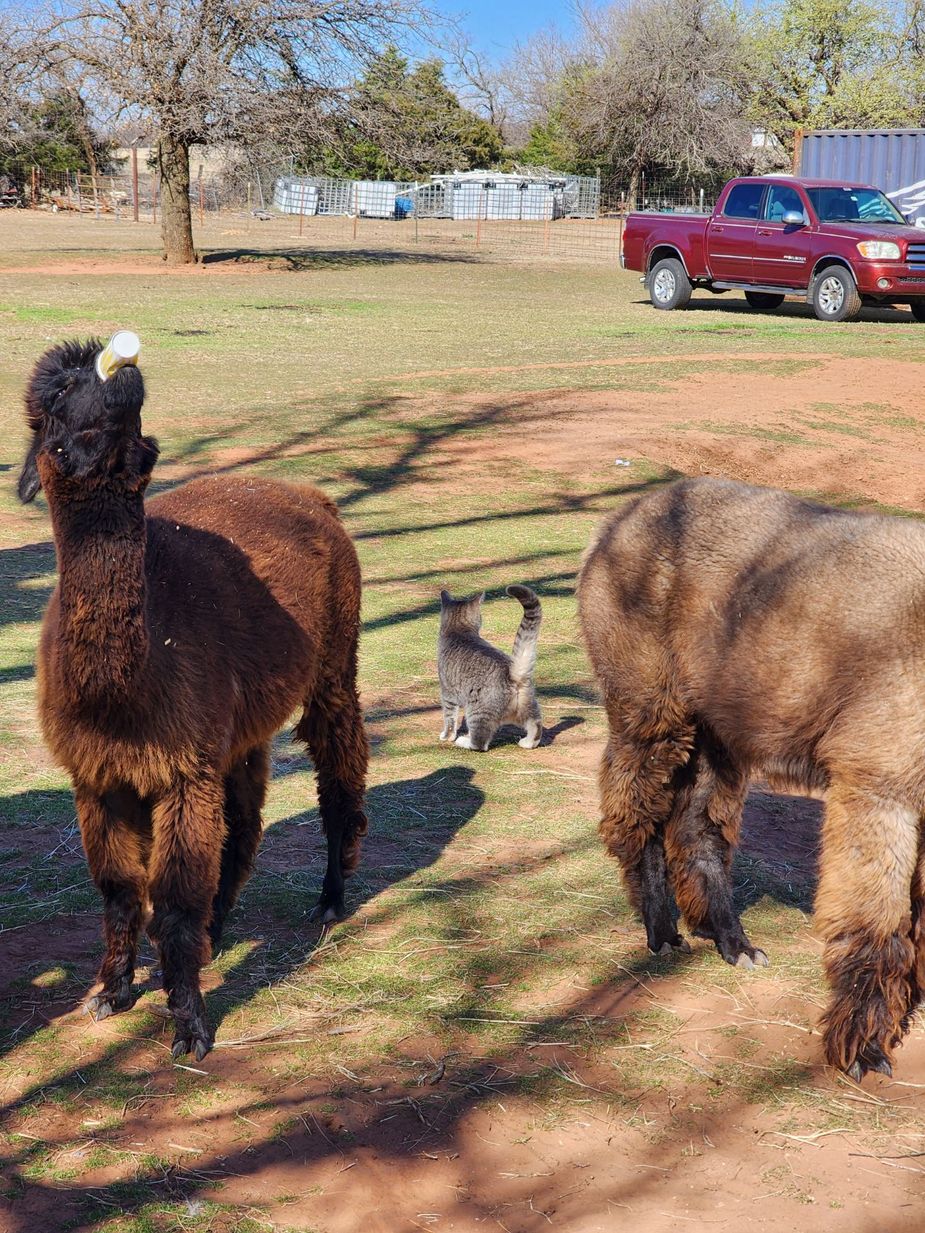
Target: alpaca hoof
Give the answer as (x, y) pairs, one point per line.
(748, 959)
(199, 1046)
(327, 912)
(871, 1058)
(676, 944)
(107, 1003)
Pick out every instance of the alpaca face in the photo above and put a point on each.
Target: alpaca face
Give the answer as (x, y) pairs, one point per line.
(83, 427)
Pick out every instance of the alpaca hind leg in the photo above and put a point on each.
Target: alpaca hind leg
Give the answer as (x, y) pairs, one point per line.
(870, 848)
(245, 791)
(639, 784)
(332, 727)
(113, 833)
(700, 841)
(188, 828)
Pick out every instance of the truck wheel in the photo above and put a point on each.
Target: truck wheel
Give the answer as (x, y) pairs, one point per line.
(669, 286)
(918, 309)
(835, 295)
(764, 299)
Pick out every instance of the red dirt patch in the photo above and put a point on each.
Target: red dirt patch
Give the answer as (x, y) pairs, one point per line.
(846, 428)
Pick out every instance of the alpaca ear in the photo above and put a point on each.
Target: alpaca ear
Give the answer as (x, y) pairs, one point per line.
(29, 482)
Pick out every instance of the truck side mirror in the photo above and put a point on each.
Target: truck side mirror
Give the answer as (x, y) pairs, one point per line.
(794, 218)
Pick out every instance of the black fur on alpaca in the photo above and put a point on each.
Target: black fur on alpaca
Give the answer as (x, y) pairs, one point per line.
(180, 637)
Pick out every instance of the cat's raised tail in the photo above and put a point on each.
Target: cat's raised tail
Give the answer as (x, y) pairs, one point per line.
(523, 655)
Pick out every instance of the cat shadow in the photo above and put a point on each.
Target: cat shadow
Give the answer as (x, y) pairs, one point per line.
(510, 734)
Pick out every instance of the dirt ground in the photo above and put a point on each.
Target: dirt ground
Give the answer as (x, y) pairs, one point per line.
(834, 429)
(430, 1139)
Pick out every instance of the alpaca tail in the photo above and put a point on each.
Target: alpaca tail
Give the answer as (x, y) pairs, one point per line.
(523, 656)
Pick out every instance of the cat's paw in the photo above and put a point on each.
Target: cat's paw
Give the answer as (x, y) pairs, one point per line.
(529, 742)
(464, 742)
(445, 734)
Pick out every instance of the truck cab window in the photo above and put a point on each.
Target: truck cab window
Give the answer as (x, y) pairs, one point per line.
(782, 199)
(744, 201)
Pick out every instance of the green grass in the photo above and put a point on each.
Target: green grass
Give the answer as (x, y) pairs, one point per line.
(489, 931)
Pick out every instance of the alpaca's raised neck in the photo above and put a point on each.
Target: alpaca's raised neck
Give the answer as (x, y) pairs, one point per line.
(99, 534)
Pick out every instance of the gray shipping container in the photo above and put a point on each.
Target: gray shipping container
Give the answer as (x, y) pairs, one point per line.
(891, 158)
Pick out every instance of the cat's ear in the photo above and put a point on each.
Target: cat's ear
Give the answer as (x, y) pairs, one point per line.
(480, 599)
(445, 599)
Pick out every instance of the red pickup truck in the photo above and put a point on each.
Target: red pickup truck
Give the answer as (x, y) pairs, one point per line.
(835, 244)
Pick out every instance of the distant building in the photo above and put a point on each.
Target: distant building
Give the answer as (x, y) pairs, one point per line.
(214, 160)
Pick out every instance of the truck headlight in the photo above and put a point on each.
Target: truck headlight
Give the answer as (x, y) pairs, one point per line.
(879, 250)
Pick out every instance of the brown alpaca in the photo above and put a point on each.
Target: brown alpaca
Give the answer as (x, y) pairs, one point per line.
(179, 639)
(741, 632)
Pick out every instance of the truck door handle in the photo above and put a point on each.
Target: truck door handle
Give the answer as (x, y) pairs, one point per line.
(718, 227)
(765, 231)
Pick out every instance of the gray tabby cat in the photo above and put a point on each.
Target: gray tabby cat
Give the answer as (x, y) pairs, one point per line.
(491, 687)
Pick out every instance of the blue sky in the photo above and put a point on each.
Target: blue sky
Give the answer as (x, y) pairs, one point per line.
(496, 25)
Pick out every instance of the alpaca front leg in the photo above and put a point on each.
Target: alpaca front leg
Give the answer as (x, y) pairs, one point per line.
(188, 827)
(864, 912)
(635, 804)
(115, 854)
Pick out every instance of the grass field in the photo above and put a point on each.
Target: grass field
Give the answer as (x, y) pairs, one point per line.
(485, 1042)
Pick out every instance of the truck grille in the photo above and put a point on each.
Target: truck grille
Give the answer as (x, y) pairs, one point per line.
(915, 256)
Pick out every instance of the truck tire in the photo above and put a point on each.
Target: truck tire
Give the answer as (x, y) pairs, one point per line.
(835, 295)
(764, 299)
(669, 286)
(918, 309)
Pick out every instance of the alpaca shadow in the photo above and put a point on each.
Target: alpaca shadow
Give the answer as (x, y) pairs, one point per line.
(48, 966)
(411, 821)
(778, 854)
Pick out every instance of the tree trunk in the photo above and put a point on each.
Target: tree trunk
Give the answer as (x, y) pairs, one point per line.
(632, 191)
(176, 218)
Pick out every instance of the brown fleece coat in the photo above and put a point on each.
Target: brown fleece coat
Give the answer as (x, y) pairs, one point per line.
(180, 637)
(739, 632)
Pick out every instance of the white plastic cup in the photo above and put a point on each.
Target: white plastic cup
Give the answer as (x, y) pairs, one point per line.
(122, 349)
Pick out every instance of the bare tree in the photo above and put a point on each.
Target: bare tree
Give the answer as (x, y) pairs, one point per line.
(14, 59)
(216, 72)
(480, 85)
(534, 74)
(666, 87)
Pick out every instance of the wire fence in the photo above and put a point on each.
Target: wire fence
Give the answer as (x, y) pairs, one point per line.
(570, 217)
